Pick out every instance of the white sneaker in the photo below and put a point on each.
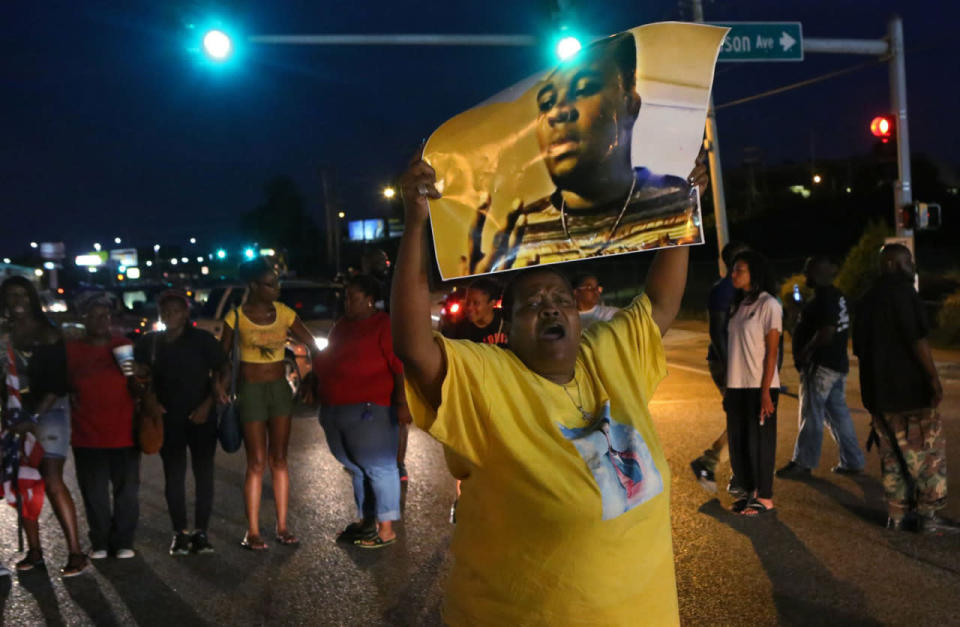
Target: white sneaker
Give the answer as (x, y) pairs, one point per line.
(97, 555)
(125, 554)
(4, 571)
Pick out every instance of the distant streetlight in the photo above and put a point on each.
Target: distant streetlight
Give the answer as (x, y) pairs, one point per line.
(817, 178)
(149, 263)
(156, 248)
(117, 240)
(6, 260)
(33, 244)
(184, 260)
(249, 253)
(199, 259)
(217, 45)
(389, 192)
(38, 272)
(193, 240)
(97, 246)
(341, 215)
(221, 254)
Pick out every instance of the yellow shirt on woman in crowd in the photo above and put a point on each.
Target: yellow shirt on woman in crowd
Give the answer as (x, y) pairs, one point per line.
(564, 518)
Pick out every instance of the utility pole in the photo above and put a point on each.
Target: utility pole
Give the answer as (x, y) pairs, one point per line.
(903, 190)
(331, 207)
(712, 144)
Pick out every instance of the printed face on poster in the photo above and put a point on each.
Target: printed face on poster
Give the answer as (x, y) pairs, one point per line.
(586, 160)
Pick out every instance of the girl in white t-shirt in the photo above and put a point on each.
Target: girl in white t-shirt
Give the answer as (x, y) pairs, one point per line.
(753, 381)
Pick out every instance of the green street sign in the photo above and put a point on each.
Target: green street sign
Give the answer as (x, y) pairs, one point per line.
(762, 41)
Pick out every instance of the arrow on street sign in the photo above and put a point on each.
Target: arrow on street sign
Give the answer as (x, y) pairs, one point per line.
(762, 41)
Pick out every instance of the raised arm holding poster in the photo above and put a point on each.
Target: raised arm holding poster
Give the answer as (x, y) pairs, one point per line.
(588, 159)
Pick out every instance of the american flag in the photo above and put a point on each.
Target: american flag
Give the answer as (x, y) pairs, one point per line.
(20, 472)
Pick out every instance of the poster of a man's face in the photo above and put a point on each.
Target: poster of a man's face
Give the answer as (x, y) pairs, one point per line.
(566, 167)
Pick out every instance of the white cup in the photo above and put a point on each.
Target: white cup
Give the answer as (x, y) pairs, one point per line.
(124, 356)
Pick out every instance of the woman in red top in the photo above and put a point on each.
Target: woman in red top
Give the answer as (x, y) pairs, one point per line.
(102, 436)
(358, 380)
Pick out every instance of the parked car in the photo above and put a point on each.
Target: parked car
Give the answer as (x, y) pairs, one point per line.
(317, 304)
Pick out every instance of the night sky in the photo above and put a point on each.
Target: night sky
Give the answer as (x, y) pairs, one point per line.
(111, 126)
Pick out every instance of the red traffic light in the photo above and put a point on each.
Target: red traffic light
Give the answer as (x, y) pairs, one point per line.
(882, 127)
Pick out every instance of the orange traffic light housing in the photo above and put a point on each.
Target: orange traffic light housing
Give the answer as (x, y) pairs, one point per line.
(882, 126)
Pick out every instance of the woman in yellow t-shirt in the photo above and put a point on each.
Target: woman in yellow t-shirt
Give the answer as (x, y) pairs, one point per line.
(564, 517)
(264, 398)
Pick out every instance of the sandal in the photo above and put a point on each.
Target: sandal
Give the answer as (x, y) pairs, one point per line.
(357, 531)
(739, 505)
(286, 538)
(756, 508)
(253, 543)
(373, 542)
(33, 559)
(76, 564)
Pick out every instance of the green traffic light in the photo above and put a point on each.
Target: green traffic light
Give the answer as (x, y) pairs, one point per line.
(568, 47)
(217, 45)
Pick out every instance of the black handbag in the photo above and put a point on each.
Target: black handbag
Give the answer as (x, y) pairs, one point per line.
(228, 420)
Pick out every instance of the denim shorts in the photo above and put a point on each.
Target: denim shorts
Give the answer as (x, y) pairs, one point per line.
(53, 430)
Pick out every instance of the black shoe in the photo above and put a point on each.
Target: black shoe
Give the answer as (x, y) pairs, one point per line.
(895, 524)
(842, 470)
(180, 544)
(793, 470)
(933, 525)
(735, 490)
(403, 472)
(199, 543)
(704, 475)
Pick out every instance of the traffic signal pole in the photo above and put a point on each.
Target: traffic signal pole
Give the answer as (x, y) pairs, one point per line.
(903, 190)
(712, 144)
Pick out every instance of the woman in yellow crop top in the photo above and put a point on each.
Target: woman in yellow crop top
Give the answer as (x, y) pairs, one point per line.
(264, 398)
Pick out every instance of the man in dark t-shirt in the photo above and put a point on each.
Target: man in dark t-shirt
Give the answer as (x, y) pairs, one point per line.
(483, 322)
(820, 354)
(901, 389)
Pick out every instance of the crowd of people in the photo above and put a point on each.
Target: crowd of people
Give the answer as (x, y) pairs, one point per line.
(540, 397)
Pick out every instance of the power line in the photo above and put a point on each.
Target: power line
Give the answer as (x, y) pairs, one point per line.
(809, 81)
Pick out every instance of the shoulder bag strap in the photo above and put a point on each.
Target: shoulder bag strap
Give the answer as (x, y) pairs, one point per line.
(236, 354)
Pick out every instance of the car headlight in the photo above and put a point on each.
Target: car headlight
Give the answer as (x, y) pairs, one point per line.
(159, 326)
(321, 343)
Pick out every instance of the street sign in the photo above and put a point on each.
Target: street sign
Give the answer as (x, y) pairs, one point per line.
(53, 251)
(762, 41)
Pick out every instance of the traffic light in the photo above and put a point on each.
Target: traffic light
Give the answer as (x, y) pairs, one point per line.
(882, 126)
(920, 215)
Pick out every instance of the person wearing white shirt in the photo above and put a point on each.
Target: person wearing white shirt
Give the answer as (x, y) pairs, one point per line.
(587, 291)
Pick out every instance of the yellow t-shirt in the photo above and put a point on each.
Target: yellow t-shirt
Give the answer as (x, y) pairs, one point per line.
(263, 343)
(564, 518)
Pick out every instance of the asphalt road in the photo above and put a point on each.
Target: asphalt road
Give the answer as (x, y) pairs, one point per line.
(823, 559)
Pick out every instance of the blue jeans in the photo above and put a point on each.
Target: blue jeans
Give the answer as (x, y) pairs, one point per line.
(364, 438)
(822, 398)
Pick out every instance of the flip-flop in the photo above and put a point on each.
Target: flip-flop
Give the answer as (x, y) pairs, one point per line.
(739, 505)
(376, 540)
(756, 508)
(253, 543)
(357, 531)
(286, 538)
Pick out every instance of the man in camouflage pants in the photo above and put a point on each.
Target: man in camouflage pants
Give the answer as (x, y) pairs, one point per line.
(901, 389)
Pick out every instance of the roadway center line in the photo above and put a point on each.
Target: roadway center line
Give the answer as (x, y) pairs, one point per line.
(689, 368)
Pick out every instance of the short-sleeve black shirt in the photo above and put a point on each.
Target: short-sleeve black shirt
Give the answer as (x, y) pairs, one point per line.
(889, 321)
(828, 308)
(493, 333)
(181, 373)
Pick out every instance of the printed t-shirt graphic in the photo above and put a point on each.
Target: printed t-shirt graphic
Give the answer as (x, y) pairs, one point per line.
(539, 539)
(620, 462)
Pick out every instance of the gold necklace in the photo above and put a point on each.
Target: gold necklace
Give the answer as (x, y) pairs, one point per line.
(583, 413)
(616, 225)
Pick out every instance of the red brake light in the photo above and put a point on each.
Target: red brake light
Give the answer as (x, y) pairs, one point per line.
(454, 308)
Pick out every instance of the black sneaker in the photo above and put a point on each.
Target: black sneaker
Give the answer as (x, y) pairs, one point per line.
(704, 475)
(199, 543)
(403, 473)
(734, 490)
(933, 525)
(843, 470)
(793, 470)
(180, 544)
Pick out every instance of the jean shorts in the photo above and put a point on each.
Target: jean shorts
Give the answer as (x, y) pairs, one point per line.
(53, 430)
